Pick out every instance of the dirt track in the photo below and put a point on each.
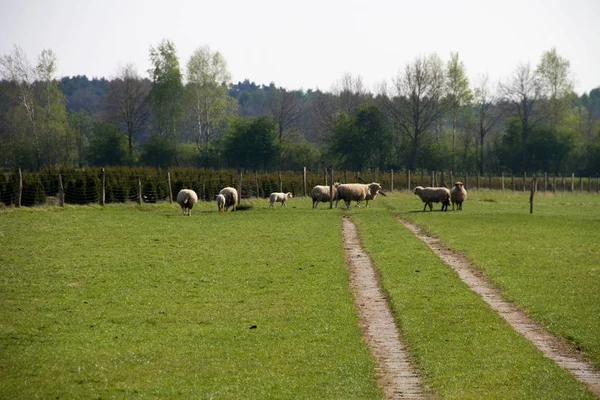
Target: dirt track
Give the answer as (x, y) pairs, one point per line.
(397, 376)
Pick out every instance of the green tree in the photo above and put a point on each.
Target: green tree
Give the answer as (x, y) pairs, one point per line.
(167, 90)
(487, 114)
(159, 151)
(459, 95)
(108, 145)
(80, 130)
(252, 143)
(556, 85)
(361, 140)
(208, 98)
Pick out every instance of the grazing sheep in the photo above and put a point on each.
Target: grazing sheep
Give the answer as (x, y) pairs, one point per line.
(431, 195)
(320, 194)
(278, 197)
(186, 199)
(458, 194)
(220, 202)
(231, 198)
(357, 192)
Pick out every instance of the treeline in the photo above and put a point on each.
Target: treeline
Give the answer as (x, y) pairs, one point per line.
(429, 117)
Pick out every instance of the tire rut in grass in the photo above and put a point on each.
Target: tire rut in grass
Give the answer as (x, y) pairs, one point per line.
(396, 375)
(552, 347)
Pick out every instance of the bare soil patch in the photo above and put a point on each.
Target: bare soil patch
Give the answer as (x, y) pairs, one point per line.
(397, 377)
(552, 347)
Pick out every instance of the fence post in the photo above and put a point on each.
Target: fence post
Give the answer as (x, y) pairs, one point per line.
(554, 183)
(103, 187)
(303, 181)
(503, 181)
(572, 182)
(171, 188)
(545, 181)
(331, 190)
(532, 194)
(589, 184)
(62, 191)
(240, 187)
(408, 179)
(392, 180)
(140, 190)
(524, 180)
(20, 187)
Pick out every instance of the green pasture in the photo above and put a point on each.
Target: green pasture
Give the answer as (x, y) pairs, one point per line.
(138, 301)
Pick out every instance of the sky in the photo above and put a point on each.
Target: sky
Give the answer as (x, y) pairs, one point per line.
(309, 44)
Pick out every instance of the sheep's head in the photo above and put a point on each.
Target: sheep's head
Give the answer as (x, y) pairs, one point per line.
(374, 188)
(289, 195)
(459, 185)
(418, 189)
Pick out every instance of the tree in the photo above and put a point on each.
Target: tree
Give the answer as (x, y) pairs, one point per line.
(459, 95)
(127, 103)
(108, 145)
(361, 140)
(80, 128)
(210, 102)
(252, 143)
(523, 93)
(167, 88)
(286, 110)
(415, 103)
(487, 115)
(556, 85)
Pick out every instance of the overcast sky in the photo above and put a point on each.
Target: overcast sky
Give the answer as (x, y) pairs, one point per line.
(308, 44)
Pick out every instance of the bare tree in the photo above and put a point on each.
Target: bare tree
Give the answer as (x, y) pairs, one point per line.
(523, 93)
(415, 102)
(127, 103)
(287, 110)
(487, 114)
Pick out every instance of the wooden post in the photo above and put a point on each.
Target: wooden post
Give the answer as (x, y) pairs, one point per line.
(503, 181)
(589, 184)
(304, 181)
(392, 180)
(532, 194)
(61, 188)
(545, 181)
(171, 188)
(408, 180)
(524, 180)
(572, 182)
(554, 184)
(104, 188)
(140, 190)
(20, 187)
(258, 190)
(280, 181)
(331, 189)
(240, 187)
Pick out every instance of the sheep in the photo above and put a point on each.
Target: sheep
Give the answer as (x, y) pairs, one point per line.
(278, 197)
(231, 198)
(458, 194)
(431, 195)
(220, 202)
(320, 194)
(357, 192)
(186, 199)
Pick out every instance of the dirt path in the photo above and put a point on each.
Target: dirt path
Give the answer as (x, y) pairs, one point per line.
(561, 353)
(396, 375)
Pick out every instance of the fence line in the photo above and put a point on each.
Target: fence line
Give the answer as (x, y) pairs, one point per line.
(103, 186)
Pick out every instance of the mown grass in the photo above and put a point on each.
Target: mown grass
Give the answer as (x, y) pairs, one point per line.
(547, 262)
(463, 349)
(128, 301)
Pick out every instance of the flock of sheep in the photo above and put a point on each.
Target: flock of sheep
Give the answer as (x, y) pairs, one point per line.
(347, 192)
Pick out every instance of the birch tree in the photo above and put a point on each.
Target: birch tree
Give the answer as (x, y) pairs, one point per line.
(459, 95)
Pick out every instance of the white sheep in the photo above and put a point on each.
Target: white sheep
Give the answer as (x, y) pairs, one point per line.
(231, 198)
(278, 197)
(220, 202)
(357, 192)
(458, 194)
(320, 194)
(186, 199)
(431, 195)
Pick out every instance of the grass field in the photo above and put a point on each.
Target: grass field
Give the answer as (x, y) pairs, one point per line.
(130, 301)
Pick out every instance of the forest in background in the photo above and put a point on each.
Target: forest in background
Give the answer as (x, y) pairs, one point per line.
(429, 117)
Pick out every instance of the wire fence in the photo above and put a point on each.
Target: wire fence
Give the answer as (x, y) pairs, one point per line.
(145, 185)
